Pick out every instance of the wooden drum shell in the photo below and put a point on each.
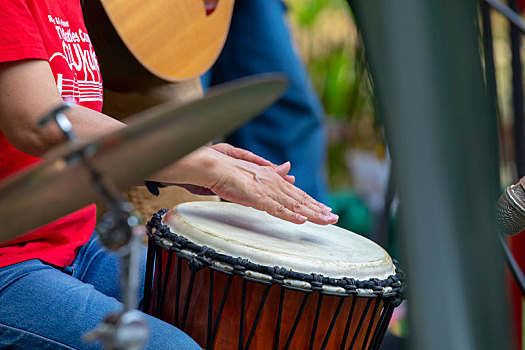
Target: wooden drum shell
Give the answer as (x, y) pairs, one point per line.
(365, 316)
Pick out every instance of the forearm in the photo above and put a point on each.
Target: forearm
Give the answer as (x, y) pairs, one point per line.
(197, 168)
(27, 93)
(87, 125)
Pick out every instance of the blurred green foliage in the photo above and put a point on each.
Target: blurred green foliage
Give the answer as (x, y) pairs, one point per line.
(329, 43)
(308, 11)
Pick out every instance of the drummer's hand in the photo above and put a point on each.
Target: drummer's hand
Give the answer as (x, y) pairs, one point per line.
(248, 156)
(264, 187)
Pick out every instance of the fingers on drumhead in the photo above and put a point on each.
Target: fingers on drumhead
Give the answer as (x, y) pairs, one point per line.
(278, 209)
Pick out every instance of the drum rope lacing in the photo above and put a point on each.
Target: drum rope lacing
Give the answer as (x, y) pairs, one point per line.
(204, 256)
(391, 291)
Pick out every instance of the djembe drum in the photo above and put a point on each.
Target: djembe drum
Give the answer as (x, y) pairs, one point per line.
(234, 277)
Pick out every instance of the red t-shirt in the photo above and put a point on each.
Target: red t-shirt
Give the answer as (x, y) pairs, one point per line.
(51, 30)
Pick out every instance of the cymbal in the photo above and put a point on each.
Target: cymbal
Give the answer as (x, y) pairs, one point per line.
(153, 139)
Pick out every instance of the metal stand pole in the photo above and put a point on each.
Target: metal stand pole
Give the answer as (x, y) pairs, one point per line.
(119, 231)
(517, 94)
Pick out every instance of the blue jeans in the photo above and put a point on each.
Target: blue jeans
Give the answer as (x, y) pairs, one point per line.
(42, 307)
(292, 129)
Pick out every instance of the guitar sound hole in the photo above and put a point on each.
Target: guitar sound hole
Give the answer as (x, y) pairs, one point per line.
(210, 6)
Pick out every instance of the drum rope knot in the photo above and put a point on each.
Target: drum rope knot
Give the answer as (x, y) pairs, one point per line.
(202, 260)
(317, 282)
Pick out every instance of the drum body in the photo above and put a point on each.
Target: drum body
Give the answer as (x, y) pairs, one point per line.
(247, 287)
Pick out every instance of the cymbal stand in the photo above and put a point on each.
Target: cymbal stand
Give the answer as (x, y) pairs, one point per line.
(119, 231)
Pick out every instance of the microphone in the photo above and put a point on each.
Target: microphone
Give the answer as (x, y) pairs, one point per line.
(510, 209)
(510, 216)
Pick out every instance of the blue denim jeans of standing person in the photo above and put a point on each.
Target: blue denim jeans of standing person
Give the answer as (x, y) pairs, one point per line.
(292, 129)
(42, 307)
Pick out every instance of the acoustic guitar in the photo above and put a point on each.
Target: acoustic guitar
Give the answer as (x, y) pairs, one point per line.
(146, 43)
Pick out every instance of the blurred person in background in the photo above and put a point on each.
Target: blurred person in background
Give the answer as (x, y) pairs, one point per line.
(292, 129)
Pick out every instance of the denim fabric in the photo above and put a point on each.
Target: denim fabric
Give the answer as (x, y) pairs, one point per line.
(42, 307)
(259, 41)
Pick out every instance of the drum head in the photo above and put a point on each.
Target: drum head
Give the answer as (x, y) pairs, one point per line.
(240, 231)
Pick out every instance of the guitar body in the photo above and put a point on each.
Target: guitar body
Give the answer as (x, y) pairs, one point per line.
(142, 44)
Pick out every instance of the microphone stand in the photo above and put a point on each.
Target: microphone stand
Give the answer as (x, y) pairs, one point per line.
(119, 231)
(513, 265)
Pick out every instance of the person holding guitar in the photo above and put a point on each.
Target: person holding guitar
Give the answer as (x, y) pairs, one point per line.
(57, 282)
